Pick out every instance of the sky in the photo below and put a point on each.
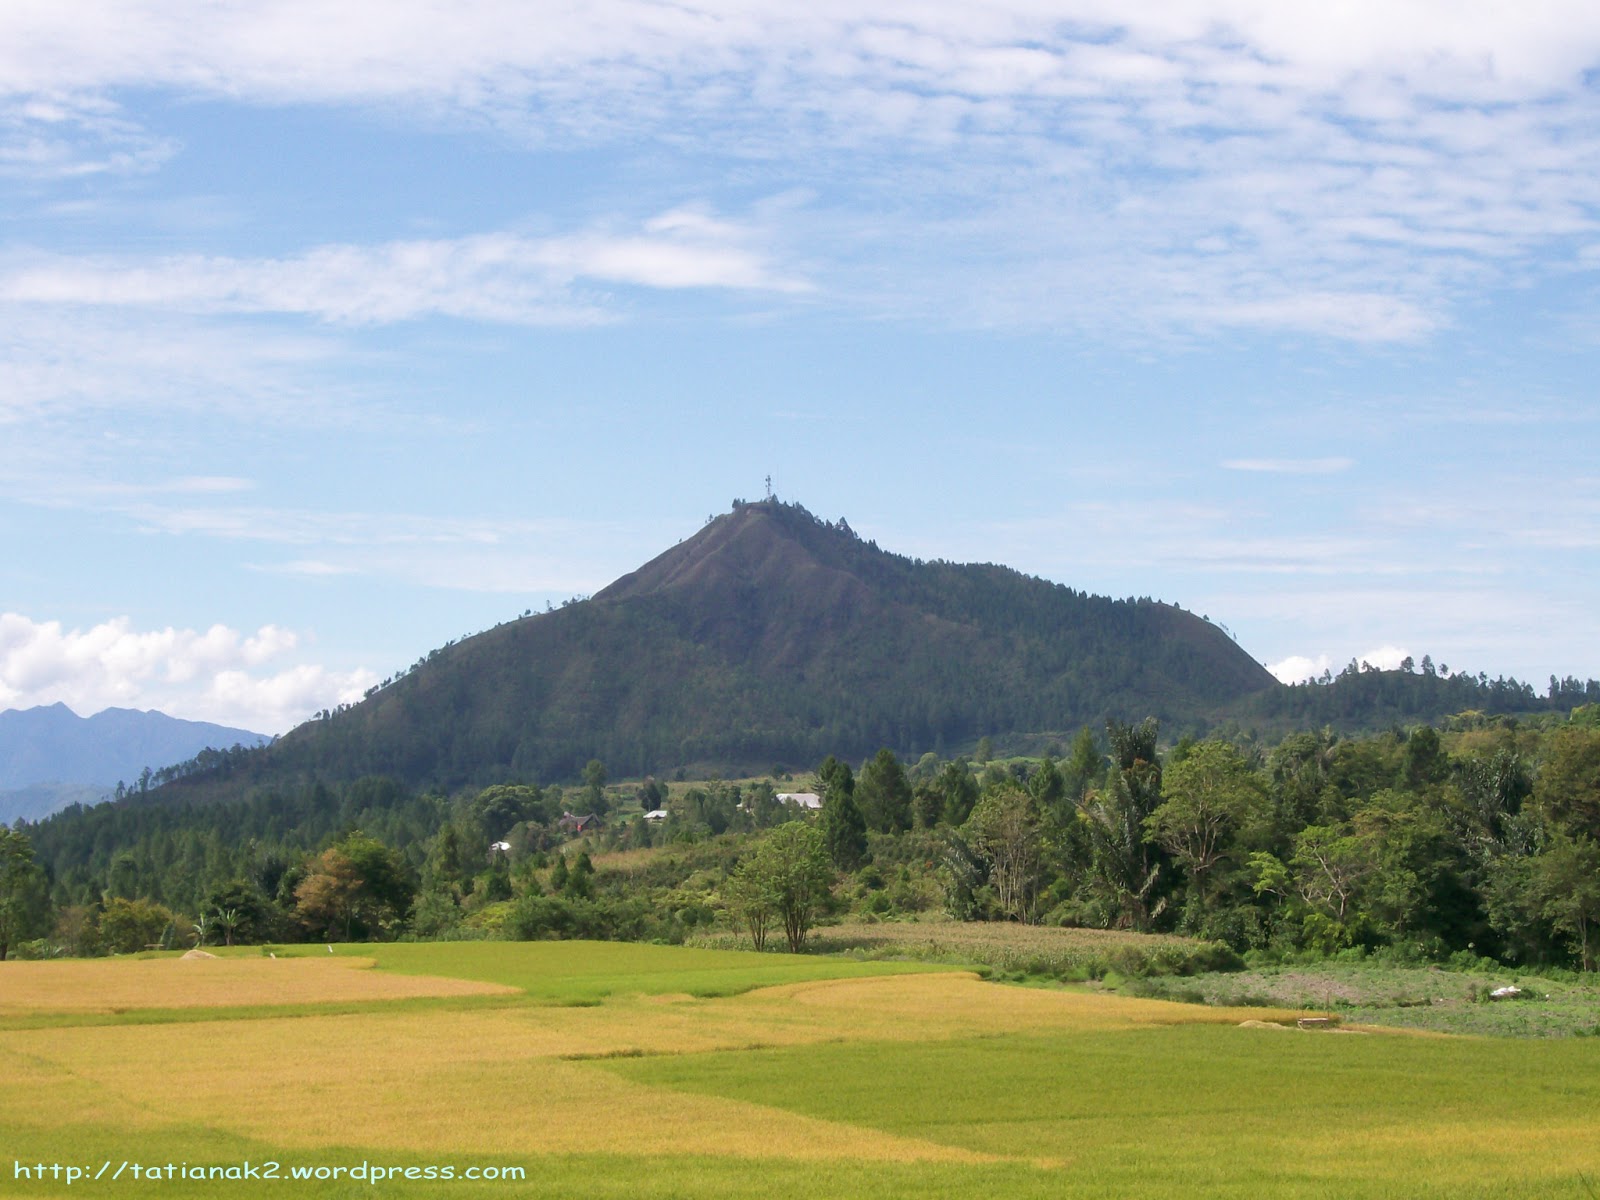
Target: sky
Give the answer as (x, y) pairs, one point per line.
(329, 334)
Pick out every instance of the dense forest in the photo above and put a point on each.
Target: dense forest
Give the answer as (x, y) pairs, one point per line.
(1479, 838)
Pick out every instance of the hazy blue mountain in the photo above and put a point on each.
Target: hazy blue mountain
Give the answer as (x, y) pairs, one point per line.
(39, 800)
(51, 745)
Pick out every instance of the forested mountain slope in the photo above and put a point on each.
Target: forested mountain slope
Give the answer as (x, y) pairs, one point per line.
(769, 637)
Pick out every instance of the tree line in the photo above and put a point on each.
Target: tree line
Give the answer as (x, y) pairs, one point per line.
(1480, 838)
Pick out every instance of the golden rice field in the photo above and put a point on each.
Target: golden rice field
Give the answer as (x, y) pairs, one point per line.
(609, 1070)
(125, 984)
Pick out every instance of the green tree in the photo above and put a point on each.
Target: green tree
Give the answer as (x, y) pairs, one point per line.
(1208, 796)
(241, 911)
(500, 807)
(580, 882)
(1128, 869)
(1566, 880)
(883, 794)
(1085, 764)
(1004, 828)
(790, 871)
(594, 786)
(128, 926)
(752, 903)
(843, 828)
(1566, 789)
(1049, 787)
(959, 789)
(24, 911)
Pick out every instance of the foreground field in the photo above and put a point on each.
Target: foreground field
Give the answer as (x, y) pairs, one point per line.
(608, 1070)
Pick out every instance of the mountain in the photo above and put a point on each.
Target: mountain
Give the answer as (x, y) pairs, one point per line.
(769, 637)
(38, 800)
(50, 756)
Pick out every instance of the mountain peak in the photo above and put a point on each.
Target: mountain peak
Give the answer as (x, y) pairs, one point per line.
(764, 543)
(771, 635)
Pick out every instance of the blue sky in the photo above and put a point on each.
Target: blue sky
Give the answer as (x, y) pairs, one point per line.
(328, 334)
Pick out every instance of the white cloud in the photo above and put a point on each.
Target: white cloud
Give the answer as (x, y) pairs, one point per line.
(1290, 466)
(1347, 172)
(1297, 668)
(1385, 658)
(74, 137)
(491, 277)
(212, 675)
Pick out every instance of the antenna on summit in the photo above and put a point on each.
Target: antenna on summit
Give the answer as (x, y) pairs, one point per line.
(769, 487)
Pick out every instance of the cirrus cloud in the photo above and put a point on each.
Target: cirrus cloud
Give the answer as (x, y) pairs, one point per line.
(499, 277)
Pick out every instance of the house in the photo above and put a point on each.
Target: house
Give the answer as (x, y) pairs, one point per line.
(583, 824)
(807, 800)
(499, 848)
(657, 814)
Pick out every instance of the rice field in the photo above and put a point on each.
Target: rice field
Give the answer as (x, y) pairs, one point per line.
(72, 986)
(624, 1070)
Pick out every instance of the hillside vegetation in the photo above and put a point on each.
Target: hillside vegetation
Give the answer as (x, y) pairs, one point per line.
(769, 637)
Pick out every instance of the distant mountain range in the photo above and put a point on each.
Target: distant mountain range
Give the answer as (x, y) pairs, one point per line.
(51, 757)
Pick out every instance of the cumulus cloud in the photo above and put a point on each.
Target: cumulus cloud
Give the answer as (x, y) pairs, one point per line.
(1297, 668)
(217, 674)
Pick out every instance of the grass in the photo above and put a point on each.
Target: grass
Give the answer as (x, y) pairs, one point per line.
(1203, 1110)
(1424, 998)
(589, 972)
(626, 1070)
(1037, 950)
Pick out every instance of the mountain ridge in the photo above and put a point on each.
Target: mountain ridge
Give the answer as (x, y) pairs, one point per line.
(772, 636)
(49, 750)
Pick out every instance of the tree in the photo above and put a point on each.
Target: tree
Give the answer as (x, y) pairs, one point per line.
(594, 784)
(1208, 797)
(1049, 788)
(240, 911)
(356, 887)
(580, 882)
(1084, 765)
(1567, 787)
(789, 875)
(1127, 867)
(751, 902)
(843, 828)
(1566, 880)
(883, 794)
(959, 789)
(500, 807)
(1004, 829)
(23, 907)
(128, 926)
